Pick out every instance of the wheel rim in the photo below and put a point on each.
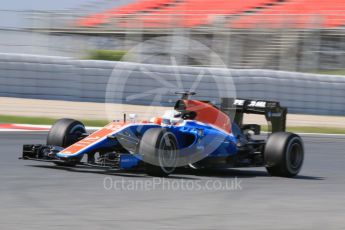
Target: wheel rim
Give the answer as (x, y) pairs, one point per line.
(167, 153)
(295, 156)
(75, 132)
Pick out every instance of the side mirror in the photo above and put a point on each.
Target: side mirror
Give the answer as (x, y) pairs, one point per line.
(132, 116)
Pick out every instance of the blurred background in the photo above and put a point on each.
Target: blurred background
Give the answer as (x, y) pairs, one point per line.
(67, 50)
(293, 35)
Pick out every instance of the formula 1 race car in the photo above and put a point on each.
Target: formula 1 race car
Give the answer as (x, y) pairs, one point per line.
(195, 134)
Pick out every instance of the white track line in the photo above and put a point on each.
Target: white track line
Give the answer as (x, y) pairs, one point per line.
(26, 128)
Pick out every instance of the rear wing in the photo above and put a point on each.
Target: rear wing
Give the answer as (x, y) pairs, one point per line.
(274, 113)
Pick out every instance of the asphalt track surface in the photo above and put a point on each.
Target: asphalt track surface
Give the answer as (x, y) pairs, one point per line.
(36, 195)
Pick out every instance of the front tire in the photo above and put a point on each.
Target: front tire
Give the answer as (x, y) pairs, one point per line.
(159, 149)
(284, 154)
(63, 133)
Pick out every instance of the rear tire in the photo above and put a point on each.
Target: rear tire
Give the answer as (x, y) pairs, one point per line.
(159, 150)
(63, 133)
(284, 154)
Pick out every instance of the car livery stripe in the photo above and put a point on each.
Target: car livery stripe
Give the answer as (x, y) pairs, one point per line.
(92, 139)
(95, 138)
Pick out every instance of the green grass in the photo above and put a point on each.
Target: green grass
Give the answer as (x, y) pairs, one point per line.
(340, 72)
(44, 120)
(311, 129)
(308, 129)
(49, 121)
(107, 55)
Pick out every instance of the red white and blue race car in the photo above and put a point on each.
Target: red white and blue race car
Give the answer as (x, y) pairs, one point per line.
(194, 134)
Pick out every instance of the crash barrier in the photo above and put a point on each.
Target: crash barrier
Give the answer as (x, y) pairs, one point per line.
(59, 78)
